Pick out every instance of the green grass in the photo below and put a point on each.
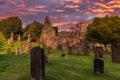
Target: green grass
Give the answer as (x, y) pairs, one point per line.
(17, 67)
(72, 67)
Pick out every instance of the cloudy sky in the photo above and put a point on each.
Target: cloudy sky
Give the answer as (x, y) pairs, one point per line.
(60, 12)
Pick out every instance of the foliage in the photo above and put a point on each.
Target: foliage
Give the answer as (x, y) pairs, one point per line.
(11, 24)
(104, 30)
(34, 29)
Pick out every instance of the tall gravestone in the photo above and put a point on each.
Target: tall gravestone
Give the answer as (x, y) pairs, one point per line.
(115, 52)
(86, 49)
(98, 61)
(37, 64)
(19, 38)
(70, 50)
(12, 36)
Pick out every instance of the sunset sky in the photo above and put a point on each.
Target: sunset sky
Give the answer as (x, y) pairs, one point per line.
(60, 12)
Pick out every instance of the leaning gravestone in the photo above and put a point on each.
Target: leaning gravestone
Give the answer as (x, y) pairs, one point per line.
(37, 64)
(98, 61)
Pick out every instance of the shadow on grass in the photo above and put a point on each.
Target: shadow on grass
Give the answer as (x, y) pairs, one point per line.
(24, 78)
(49, 78)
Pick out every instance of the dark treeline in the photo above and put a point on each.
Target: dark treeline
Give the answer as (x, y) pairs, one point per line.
(15, 24)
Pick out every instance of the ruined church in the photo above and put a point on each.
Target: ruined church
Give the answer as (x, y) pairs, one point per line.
(48, 35)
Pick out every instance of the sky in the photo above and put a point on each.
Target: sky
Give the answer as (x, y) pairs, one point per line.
(60, 12)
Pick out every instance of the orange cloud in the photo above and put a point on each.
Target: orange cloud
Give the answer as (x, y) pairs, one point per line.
(40, 6)
(63, 23)
(59, 10)
(74, 1)
(102, 5)
(113, 2)
(72, 6)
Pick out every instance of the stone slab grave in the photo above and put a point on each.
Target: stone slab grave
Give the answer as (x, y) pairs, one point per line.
(79, 50)
(115, 53)
(70, 50)
(8, 51)
(98, 61)
(37, 64)
(86, 49)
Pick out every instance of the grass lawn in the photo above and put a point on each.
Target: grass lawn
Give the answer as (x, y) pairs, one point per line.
(17, 67)
(73, 67)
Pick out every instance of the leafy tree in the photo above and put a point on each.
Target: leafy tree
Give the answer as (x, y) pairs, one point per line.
(107, 31)
(104, 30)
(34, 29)
(11, 24)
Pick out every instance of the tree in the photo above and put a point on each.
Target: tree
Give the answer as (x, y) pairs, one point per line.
(11, 24)
(105, 30)
(34, 29)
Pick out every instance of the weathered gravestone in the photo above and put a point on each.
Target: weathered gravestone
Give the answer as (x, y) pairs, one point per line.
(86, 49)
(79, 50)
(12, 36)
(49, 50)
(37, 64)
(46, 59)
(115, 52)
(8, 51)
(98, 66)
(98, 61)
(59, 47)
(70, 50)
(17, 51)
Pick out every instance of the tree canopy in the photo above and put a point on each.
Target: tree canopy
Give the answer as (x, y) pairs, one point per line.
(11, 24)
(104, 30)
(34, 29)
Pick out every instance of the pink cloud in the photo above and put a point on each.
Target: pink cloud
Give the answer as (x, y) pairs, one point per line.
(40, 6)
(74, 1)
(72, 6)
(59, 10)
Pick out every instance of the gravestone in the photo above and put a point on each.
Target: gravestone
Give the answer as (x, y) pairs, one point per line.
(98, 66)
(9, 42)
(63, 55)
(26, 46)
(20, 50)
(98, 52)
(17, 51)
(46, 59)
(59, 47)
(12, 36)
(70, 50)
(37, 64)
(79, 50)
(115, 52)
(8, 51)
(86, 49)
(98, 61)
(28, 40)
(49, 50)
(19, 38)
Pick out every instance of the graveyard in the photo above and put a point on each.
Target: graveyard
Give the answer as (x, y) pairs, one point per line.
(69, 67)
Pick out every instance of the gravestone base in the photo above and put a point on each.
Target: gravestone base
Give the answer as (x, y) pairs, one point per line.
(98, 66)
